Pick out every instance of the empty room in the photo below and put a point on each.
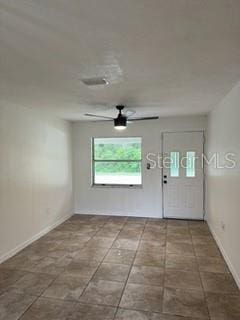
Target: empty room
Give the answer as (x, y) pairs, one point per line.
(119, 160)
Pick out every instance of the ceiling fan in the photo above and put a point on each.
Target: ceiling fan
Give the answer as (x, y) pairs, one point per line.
(120, 122)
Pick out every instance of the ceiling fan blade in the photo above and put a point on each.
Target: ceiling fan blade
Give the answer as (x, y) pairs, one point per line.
(97, 116)
(143, 118)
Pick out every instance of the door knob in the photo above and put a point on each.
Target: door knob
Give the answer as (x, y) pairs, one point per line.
(165, 181)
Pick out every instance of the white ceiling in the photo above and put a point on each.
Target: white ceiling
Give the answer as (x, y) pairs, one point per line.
(162, 57)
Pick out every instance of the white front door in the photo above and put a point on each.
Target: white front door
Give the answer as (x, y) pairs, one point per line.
(183, 175)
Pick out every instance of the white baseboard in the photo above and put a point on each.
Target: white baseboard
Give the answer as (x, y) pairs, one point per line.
(117, 214)
(225, 255)
(23, 245)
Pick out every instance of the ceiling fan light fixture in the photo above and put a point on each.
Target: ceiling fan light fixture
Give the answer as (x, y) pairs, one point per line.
(120, 128)
(120, 123)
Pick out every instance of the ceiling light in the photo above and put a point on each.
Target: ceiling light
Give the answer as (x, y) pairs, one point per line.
(120, 128)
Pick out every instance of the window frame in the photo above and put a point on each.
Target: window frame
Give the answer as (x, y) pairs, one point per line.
(114, 185)
(194, 165)
(179, 164)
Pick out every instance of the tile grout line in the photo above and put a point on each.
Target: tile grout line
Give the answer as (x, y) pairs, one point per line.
(204, 294)
(101, 260)
(197, 271)
(116, 307)
(20, 317)
(66, 266)
(78, 300)
(130, 269)
(165, 261)
(135, 309)
(41, 295)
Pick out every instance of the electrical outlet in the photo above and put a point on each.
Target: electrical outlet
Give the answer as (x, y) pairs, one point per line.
(223, 225)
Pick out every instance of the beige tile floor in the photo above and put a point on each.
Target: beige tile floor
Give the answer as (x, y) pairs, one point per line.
(99, 267)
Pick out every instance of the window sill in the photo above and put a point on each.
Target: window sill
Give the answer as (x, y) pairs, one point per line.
(117, 186)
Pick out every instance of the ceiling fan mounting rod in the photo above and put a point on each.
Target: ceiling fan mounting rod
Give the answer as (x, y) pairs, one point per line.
(120, 108)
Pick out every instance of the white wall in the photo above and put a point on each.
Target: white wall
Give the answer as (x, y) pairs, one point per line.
(123, 201)
(223, 185)
(35, 175)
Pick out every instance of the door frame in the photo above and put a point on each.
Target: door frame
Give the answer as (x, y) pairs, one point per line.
(204, 179)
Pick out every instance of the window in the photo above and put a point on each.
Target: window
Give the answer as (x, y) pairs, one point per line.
(174, 169)
(117, 161)
(190, 167)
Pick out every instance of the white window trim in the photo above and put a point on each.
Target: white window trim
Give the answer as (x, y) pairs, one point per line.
(112, 185)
